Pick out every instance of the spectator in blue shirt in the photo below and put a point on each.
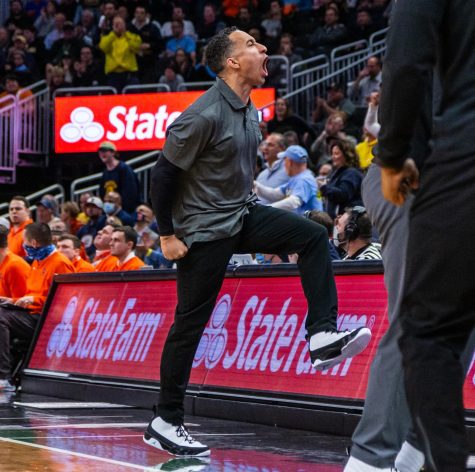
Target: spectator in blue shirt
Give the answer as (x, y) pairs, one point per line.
(299, 194)
(180, 40)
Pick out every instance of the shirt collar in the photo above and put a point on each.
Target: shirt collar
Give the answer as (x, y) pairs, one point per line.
(229, 95)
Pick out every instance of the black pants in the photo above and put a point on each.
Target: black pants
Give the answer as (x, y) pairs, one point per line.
(438, 309)
(200, 276)
(13, 324)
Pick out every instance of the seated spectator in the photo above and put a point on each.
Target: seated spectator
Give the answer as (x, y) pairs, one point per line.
(299, 194)
(354, 233)
(367, 82)
(180, 41)
(142, 227)
(44, 24)
(91, 71)
(69, 45)
(13, 270)
(183, 65)
(284, 120)
(209, 24)
(123, 242)
(83, 198)
(57, 32)
(97, 220)
(119, 177)
(120, 48)
(290, 138)
(103, 260)
(324, 219)
(277, 70)
(69, 215)
(245, 20)
(46, 210)
(57, 79)
(109, 12)
(20, 217)
(320, 152)
(363, 26)
(12, 87)
(333, 33)
(113, 207)
(343, 188)
(18, 18)
(171, 77)
(87, 30)
(201, 71)
(4, 46)
(151, 44)
(274, 174)
(17, 65)
(272, 24)
(20, 320)
(70, 247)
(336, 101)
(35, 52)
(178, 14)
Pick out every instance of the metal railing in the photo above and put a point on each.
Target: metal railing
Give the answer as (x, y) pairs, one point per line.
(34, 115)
(353, 54)
(303, 76)
(8, 139)
(190, 86)
(278, 67)
(146, 88)
(84, 91)
(140, 164)
(56, 190)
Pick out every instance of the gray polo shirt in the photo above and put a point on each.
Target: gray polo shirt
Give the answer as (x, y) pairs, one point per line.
(215, 142)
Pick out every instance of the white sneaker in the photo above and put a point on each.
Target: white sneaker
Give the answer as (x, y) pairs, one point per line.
(192, 464)
(355, 465)
(328, 348)
(6, 386)
(174, 439)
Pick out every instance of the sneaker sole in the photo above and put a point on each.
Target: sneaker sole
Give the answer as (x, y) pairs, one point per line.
(162, 446)
(353, 348)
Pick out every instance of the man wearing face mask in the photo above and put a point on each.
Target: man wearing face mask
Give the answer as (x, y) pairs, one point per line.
(19, 316)
(113, 207)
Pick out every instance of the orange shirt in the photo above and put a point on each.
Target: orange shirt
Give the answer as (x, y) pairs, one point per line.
(134, 263)
(15, 238)
(14, 271)
(41, 276)
(107, 264)
(80, 265)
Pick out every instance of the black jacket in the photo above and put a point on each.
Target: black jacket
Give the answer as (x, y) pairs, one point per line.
(425, 34)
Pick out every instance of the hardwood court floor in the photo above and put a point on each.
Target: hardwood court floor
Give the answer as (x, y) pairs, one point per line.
(110, 440)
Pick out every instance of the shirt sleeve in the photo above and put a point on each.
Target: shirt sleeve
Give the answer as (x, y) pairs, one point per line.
(300, 189)
(186, 139)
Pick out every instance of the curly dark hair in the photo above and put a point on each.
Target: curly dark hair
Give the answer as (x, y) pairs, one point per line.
(348, 150)
(219, 49)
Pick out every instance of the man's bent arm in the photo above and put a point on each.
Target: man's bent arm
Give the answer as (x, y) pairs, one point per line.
(164, 183)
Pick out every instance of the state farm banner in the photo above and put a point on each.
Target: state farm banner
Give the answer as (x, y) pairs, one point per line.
(132, 122)
(255, 339)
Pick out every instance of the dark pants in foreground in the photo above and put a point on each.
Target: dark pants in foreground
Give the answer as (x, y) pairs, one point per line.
(200, 276)
(13, 324)
(438, 308)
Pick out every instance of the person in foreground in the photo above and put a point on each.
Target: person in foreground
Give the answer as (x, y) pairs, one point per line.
(438, 303)
(206, 211)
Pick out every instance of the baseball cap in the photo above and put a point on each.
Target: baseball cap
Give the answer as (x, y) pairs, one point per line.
(68, 25)
(107, 146)
(295, 152)
(335, 86)
(48, 204)
(96, 201)
(20, 38)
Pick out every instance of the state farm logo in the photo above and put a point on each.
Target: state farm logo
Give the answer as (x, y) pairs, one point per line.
(264, 340)
(82, 126)
(215, 337)
(115, 330)
(61, 335)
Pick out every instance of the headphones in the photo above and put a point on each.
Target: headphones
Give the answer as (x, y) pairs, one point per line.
(352, 230)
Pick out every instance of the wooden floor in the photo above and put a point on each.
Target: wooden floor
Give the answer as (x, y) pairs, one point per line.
(59, 440)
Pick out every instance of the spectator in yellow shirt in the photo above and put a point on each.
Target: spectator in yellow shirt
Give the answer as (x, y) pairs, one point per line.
(120, 48)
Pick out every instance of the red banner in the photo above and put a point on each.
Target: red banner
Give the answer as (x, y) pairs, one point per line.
(132, 122)
(255, 339)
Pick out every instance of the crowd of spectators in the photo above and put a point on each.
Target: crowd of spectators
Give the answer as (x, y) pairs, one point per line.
(81, 43)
